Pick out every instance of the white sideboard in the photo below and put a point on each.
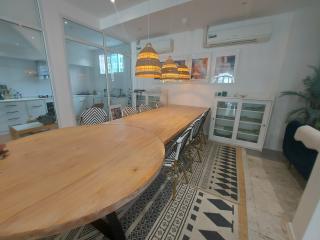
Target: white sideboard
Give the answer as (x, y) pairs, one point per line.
(20, 111)
(242, 122)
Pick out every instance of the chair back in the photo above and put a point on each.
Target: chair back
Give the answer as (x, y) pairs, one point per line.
(182, 141)
(195, 128)
(128, 111)
(143, 108)
(116, 111)
(93, 116)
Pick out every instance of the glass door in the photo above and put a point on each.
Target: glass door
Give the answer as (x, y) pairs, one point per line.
(226, 113)
(251, 120)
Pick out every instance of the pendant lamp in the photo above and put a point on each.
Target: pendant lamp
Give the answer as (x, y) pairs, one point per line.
(169, 70)
(184, 73)
(148, 63)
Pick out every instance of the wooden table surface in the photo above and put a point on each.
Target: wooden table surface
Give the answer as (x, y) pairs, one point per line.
(58, 180)
(165, 122)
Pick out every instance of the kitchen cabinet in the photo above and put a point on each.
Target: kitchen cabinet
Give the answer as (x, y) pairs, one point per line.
(146, 98)
(36, 108)
(20, 111)
(242, 122)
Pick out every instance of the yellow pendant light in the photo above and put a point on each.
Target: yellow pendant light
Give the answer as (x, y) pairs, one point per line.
(169, 70)
(148, 63)
(184, 73)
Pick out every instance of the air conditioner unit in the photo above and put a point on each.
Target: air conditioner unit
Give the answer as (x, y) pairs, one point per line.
(243, 32)
(161, 45)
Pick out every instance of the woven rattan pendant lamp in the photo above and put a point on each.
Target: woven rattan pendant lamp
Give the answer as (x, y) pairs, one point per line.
(169, 70)
(148, 63)
(184, 73)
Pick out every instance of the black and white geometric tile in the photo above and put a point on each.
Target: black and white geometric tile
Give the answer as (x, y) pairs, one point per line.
(211, 218)
(220, 176)
(197, 212)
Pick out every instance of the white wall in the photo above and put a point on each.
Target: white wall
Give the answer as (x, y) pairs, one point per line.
(14, 74)
(302, 50)
(258, 69)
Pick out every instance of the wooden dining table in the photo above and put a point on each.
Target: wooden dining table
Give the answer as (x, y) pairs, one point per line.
(58, 180)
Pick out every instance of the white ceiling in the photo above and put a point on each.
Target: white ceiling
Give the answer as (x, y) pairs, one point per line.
(185, 16)
(103, 8)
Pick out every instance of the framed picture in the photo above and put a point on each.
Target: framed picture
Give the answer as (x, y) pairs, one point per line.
(224, 67)
(177, 59)
(200, 67)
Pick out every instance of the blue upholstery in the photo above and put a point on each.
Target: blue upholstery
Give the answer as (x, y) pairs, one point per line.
(297, 154)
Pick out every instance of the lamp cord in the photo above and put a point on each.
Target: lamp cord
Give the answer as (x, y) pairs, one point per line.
(149, 20)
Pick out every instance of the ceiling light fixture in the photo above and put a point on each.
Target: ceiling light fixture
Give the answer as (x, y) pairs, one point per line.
(148, 63)
(184, 72)
(169, 70)
(113, 1)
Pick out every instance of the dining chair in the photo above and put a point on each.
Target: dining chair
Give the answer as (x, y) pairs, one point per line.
(116, 111)
(128, 111)
(174, 159)
(197, 139)
(143, 108)
(93, 116)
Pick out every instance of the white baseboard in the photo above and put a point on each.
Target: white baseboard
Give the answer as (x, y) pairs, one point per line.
(290, 231)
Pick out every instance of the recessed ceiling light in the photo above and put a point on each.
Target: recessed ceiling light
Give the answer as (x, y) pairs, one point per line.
(184, 20)
(113, 1)
(65, 22)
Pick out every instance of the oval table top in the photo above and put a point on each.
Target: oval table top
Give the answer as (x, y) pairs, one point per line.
(74, 175)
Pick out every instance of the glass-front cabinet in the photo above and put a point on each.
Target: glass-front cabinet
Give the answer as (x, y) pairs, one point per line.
(241, 122)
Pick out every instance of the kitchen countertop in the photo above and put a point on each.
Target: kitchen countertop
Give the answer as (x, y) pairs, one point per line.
(21, 99)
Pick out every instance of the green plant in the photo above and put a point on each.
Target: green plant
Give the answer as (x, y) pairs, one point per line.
(310, 112)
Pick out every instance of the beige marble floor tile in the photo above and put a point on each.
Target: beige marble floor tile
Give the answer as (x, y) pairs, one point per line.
(273, 193)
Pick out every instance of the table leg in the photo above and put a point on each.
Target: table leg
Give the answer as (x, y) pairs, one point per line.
(111, 228)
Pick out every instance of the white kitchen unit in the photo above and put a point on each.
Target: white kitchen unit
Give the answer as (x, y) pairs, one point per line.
(241, 122)
(150, 98)
(20, 111)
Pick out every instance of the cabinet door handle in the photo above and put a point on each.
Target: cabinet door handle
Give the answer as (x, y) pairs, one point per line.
(36, 106)
(12, 112)
(16, 118)
(12, 105)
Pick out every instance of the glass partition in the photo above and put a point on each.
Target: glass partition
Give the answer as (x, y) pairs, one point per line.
(26, 98)
(23, 12)
(87, 67)
(87, 77)
(119, 72)
(81, 33)
(99, 69)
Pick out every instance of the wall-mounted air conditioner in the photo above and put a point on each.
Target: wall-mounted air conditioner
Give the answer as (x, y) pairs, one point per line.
(249, 31)
(160, 45)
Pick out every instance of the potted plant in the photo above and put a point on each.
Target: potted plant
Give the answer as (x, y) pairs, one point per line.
(310, 112)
